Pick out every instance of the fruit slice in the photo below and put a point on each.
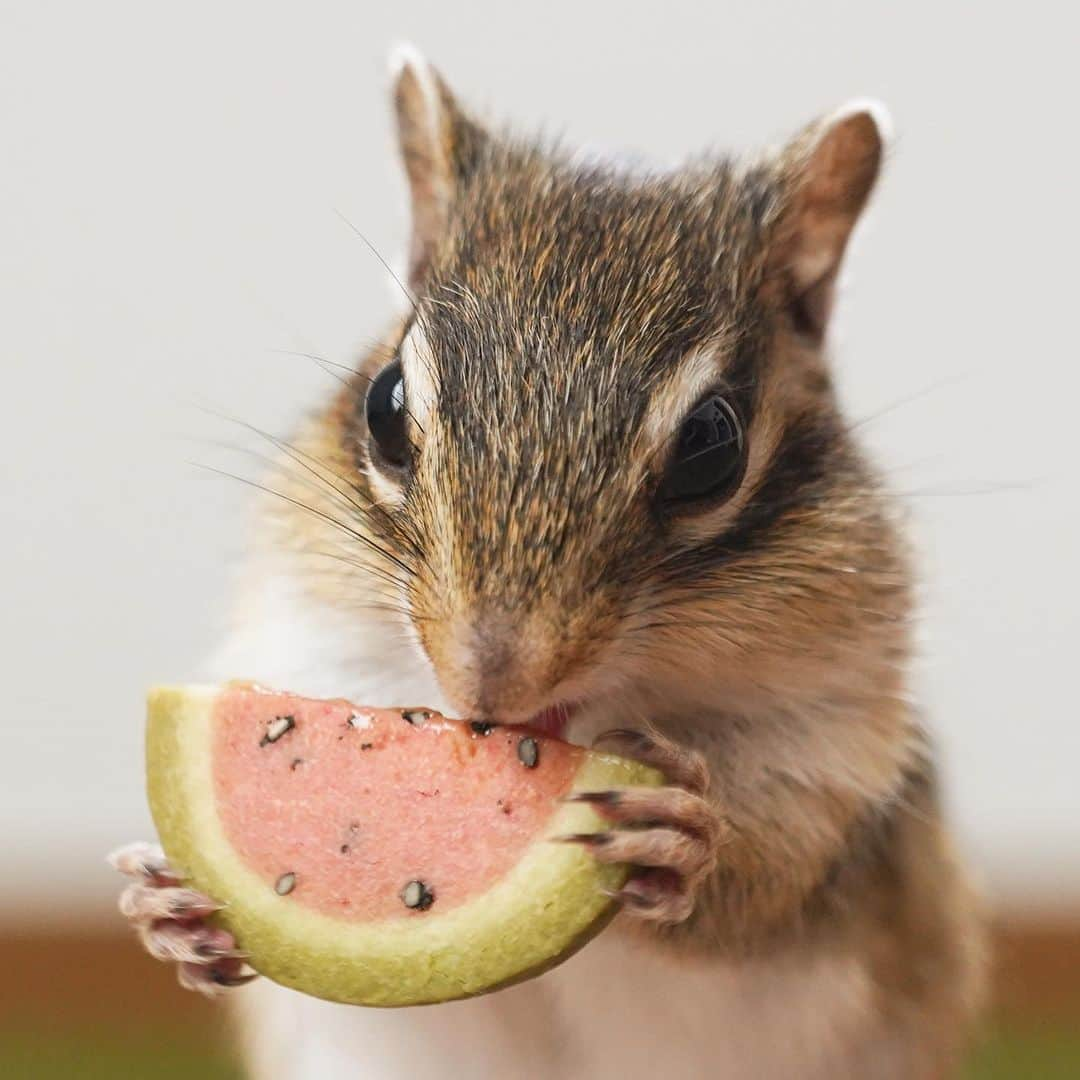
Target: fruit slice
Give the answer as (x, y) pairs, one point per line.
(380, 856)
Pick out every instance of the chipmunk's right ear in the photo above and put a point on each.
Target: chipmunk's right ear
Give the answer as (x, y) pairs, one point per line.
(440, 146)
(830, 170)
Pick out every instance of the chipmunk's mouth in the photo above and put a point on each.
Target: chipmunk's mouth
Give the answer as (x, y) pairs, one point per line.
(553, 720)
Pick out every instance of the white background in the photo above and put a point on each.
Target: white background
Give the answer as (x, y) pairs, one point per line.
(170, 177)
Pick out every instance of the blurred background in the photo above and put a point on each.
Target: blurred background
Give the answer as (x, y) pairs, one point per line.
(172, 187)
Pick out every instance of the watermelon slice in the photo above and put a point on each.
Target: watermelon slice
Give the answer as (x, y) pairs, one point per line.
(380, 856)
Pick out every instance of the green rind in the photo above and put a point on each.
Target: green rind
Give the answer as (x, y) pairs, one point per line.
(545, 908)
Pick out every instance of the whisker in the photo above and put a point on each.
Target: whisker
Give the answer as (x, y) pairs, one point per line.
(386, 266)
(329, 519)
(384, 575)
(296, 454)
(908, 399)
(325, 364)
(279, 465)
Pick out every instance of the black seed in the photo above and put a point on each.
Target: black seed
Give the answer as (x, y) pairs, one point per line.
(344, 849)
(481, 727)
(296, 763)
(366, 745)
(285, 884)
(417, 895)
(416, 717)
(529, 752)
(276, 728)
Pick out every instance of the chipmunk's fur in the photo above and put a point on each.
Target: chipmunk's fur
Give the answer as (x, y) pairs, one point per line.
(565, 318)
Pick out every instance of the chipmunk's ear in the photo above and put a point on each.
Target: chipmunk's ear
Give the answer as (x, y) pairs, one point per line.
(830, 171)
(439, 147)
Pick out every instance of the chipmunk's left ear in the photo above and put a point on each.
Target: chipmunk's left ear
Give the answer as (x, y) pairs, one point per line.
(829, 171)
(440, 146)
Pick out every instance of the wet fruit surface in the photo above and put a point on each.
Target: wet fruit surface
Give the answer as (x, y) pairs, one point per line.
(351, 805)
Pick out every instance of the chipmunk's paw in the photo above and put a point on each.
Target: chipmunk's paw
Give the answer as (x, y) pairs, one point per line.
(671, 835)
(170, 922)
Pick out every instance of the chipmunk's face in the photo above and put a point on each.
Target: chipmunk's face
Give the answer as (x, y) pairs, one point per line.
(602, 449)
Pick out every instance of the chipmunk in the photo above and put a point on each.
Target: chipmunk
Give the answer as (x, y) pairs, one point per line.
(598, 472)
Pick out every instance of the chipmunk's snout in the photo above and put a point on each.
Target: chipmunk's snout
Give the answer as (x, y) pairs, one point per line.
(501, 665)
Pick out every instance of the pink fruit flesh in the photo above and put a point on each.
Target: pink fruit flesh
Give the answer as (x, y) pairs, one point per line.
(358, 802)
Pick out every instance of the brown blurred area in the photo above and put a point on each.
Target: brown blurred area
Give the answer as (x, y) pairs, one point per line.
(65, 979)
(94, 1006)
(102, 982)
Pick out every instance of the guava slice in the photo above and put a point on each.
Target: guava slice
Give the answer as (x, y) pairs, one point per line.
(380, 856)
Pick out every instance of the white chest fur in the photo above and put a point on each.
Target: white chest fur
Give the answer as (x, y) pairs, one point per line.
(613, 1011)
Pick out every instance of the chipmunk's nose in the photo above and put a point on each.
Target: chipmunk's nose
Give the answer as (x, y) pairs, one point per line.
(497, 665)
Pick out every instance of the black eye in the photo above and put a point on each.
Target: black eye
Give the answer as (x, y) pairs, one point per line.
(709, 458)
(385, 411)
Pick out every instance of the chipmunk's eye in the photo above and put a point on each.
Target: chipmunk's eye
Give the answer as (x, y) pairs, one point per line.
(385, 412)
(709, 457)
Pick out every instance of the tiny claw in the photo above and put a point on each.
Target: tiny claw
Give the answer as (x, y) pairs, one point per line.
(225, 978)
(655, 895)
(145, 861)
(595, 798)
(143, 903)
(209, 951)
(626, 734)
(212, 981)
(590, 839)
(631, 898)
(193, 904)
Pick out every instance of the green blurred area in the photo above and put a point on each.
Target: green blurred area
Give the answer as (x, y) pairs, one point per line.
(1028, 1054)
(48, 1055)
(73, 1055)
